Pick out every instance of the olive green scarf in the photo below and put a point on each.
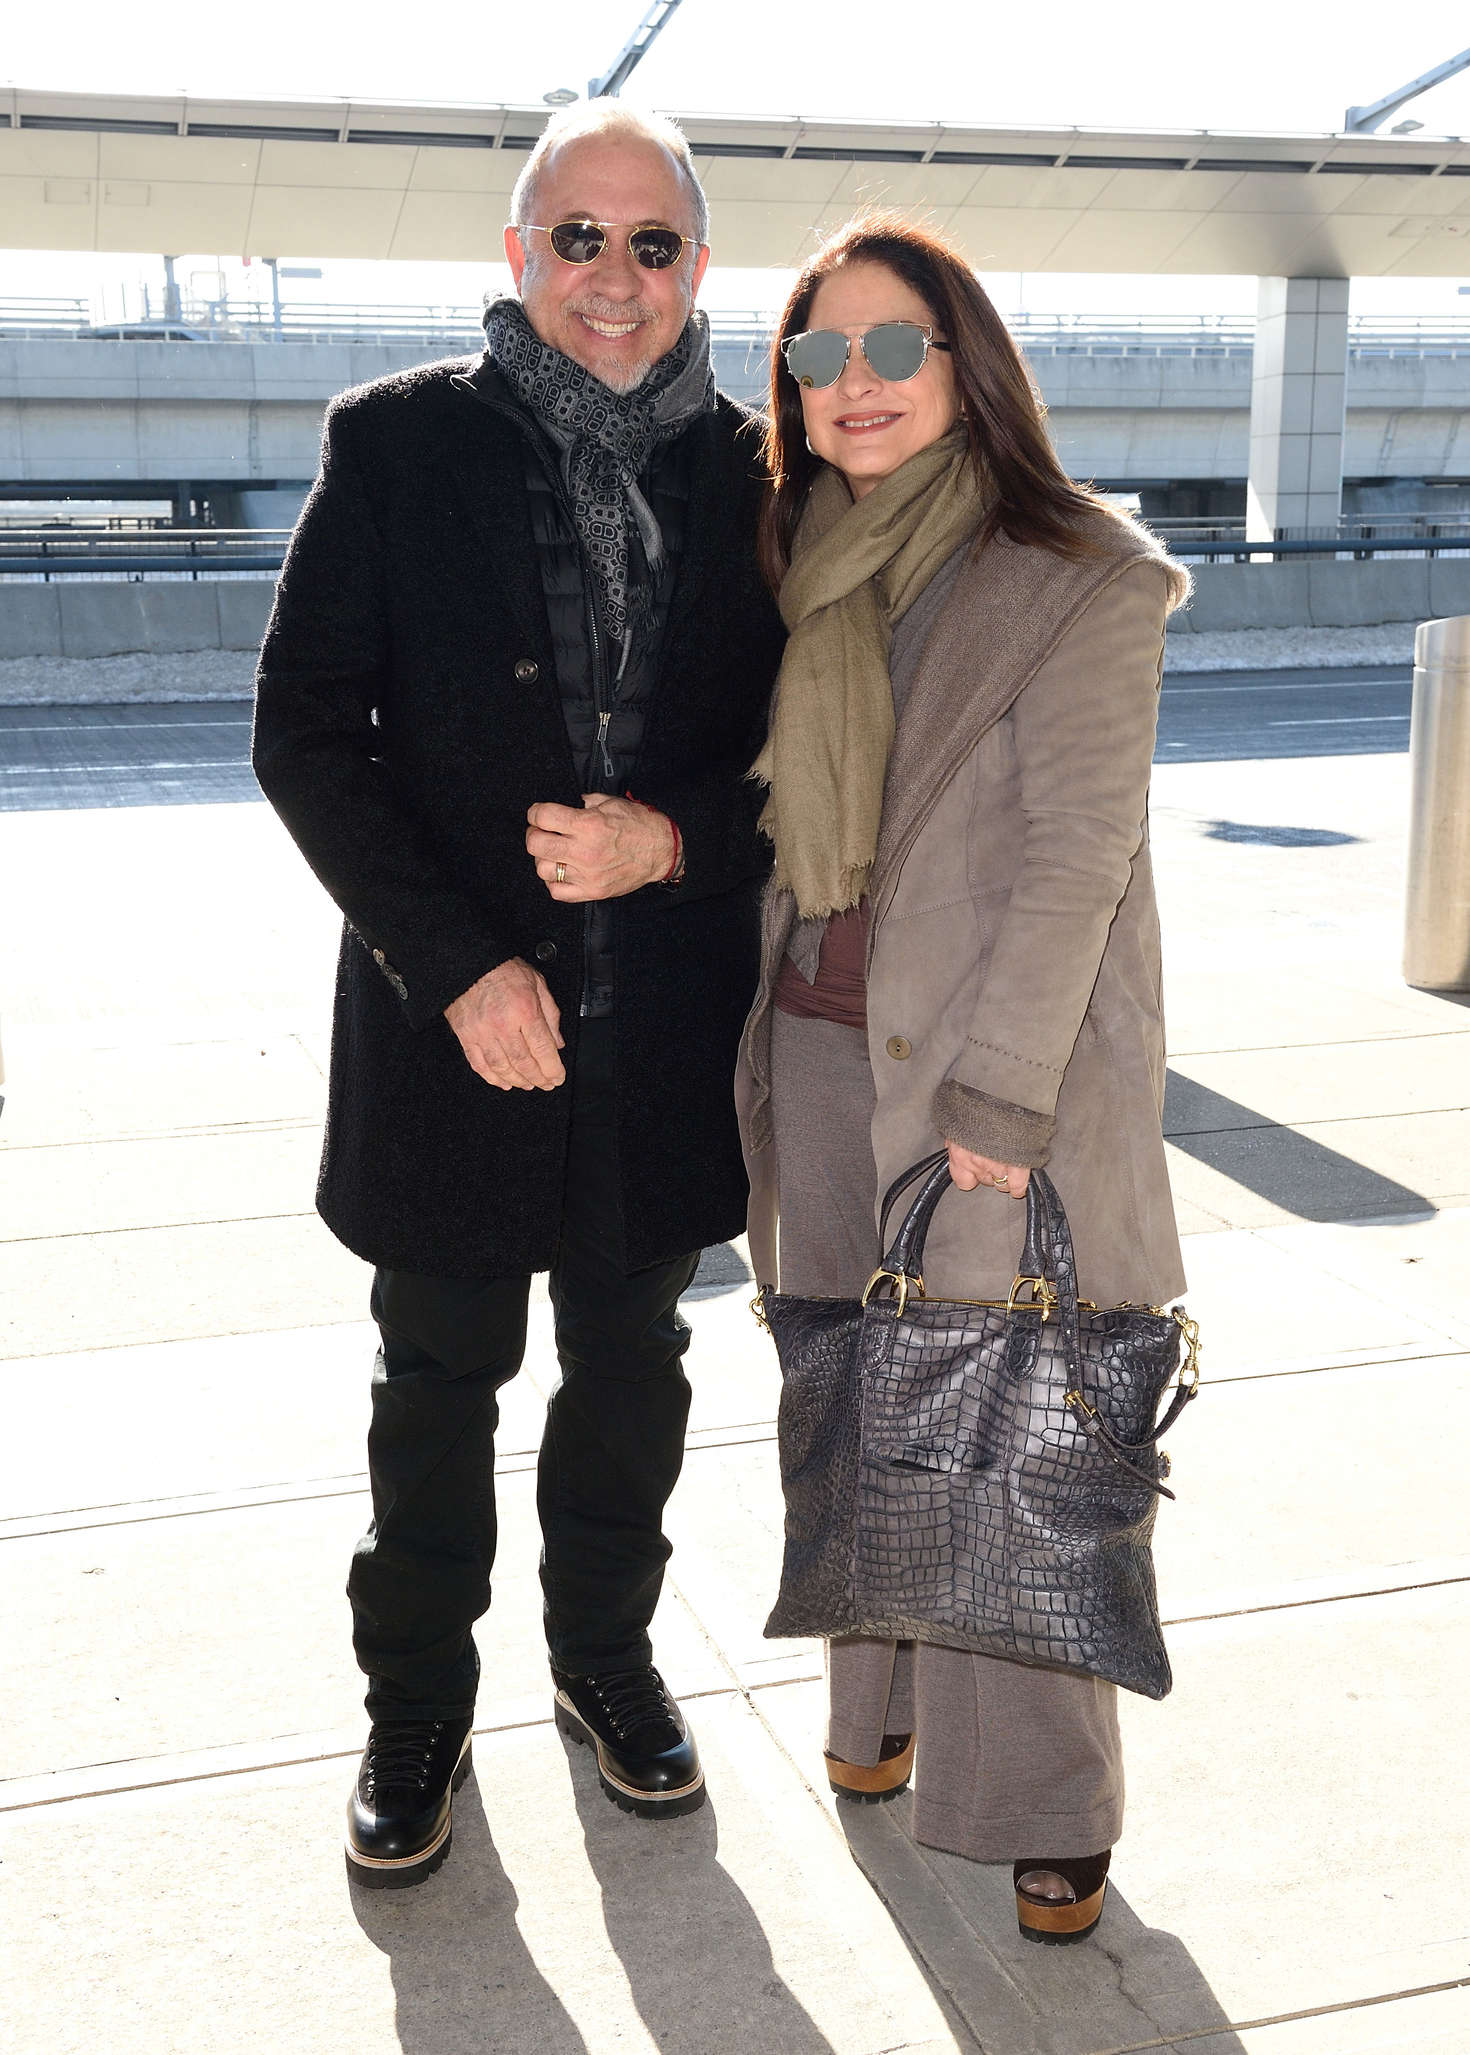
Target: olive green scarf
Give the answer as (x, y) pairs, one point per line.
(857, 566)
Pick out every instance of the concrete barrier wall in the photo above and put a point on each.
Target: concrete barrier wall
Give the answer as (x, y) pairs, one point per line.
(73, 618)
(1320, 592)
(77, 619)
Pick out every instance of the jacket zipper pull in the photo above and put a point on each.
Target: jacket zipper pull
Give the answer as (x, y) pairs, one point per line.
(603, 722)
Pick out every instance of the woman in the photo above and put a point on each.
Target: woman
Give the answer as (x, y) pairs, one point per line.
(960, 938)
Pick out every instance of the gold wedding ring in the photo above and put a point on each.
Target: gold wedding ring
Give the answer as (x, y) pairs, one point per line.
(1002, 1183)
(561, 874)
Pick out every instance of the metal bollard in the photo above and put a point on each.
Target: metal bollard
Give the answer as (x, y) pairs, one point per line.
(1437, 909)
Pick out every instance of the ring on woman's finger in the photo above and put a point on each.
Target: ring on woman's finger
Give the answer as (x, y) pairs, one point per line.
(561, 874)
(1002, 1183)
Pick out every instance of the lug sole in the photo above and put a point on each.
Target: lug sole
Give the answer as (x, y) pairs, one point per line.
(400, 1873)
(859, 1783)
(1055, 1926)
(646, 1805)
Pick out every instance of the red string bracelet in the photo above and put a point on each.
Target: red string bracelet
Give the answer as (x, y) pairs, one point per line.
(674, 869)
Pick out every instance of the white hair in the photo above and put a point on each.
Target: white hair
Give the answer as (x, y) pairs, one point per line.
(612, 118)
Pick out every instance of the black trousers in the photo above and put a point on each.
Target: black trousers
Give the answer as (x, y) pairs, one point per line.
(610, 1455)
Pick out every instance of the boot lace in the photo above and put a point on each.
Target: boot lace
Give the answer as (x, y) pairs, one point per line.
(634, 1699)
(400, 1756)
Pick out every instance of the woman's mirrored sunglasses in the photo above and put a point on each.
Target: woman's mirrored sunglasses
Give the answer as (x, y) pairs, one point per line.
(895, 350)
(583, 242)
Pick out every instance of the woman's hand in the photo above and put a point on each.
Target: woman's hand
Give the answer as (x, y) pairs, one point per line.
(970, 1171)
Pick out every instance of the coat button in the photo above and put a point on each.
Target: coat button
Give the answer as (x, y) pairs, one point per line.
(546, 952)
(527, 672)
(899, 1046)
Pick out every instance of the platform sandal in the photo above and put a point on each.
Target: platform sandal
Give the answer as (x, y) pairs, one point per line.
(1055, 1922)
(872, 1783)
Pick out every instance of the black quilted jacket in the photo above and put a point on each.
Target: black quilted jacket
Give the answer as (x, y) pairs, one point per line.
(407, 716)
(605, 704)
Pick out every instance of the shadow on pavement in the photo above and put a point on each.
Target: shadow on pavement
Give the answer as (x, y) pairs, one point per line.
(1127, 1986)
(1254, 834)
(463, 1977)
(721, 1269)
(1294, 1172)
(697, 1959)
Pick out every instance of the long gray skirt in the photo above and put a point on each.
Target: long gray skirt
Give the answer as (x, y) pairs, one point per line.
(1014, 1763)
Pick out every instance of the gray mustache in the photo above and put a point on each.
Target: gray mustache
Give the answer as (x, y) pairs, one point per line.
(611, 310)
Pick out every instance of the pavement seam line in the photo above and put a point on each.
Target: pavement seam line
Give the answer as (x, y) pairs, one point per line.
(245, 1499)
(1247, 2026)
(88, 1234)
(294, 1762)
(269, 1124)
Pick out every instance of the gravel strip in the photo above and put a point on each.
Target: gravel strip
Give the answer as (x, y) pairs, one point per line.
(139, 680)
(1289, 649)
(200, 674)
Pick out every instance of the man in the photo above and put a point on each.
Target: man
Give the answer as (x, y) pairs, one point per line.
(518, 667)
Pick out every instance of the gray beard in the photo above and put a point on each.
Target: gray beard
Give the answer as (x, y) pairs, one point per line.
(623, 382)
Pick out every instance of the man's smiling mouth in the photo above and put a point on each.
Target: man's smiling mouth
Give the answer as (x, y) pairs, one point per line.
(614, 330)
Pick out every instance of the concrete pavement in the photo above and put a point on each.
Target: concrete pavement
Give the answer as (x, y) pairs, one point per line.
(181, 1480)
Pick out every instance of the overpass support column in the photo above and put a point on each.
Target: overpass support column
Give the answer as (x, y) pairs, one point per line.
(1298, 396)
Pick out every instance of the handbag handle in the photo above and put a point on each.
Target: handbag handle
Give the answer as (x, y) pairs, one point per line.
(1049, 1267)
(1047, 1249)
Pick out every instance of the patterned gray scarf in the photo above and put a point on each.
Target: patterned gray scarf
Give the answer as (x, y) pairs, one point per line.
(606, 439)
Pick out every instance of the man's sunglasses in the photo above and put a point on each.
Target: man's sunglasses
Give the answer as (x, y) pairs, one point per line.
(583, 242)
(895, 350)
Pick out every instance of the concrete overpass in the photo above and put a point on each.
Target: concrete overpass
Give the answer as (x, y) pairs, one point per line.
(238, 424)
(1305, 213)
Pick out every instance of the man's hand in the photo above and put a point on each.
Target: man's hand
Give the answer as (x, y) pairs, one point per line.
(970, 1171)
(607, 848)
(510, 1030)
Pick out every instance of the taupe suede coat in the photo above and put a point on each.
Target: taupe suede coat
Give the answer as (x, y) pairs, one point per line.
(1015, 938)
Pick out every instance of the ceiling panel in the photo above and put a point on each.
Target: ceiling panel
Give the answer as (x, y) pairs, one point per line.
(36, 153)
(760, 179)
(205, 160)
(1010, 185)
(466, 171)
(450, 228)
(295, 222)
(1399, 196)
(1153, 192)
(173, 217)
(773, 234)
(1019, 240)
(67, 221)
(1258, 193)
(1133, 241)
(908, 185)
(382, 166)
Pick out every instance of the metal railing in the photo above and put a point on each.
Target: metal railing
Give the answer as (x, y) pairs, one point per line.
(34, 319)
(450, 325)
(1357, 536)
(193, 553)
(44, 554)
(253, 321)
(1341, 546)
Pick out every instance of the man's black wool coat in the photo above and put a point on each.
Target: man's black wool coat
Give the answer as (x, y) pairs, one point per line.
(407, 715)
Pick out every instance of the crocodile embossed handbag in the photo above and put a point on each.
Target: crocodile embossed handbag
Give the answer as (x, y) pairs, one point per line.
(981, 1475)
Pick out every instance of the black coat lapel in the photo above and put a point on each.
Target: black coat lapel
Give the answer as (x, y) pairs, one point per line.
(487, 465)
(706, 521)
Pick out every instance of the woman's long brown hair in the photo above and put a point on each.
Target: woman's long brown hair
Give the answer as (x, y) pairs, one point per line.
(1003, 413)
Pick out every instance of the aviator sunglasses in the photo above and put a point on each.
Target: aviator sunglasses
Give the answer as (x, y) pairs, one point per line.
(895, 350)
(583, 242)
